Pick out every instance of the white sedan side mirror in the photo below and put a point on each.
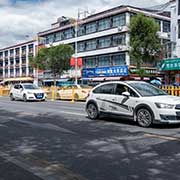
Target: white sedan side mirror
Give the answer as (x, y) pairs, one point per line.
(127, 94)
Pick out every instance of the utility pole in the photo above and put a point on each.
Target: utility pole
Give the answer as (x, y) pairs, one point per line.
(76, 42)
(76, 48)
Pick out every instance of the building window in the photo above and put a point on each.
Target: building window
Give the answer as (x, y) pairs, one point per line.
(81, 47)
(11, 53)
(23, 60)
(119, 39)
(178, 7)
(166, 26)
(91, 28)
(23, 70)
(91, 45)
(6, 63)
(17, 72)
(81, 30)
(104, 42)
(17, 52)
(24, 50)
(17, 61)
(119, 59)
(30, 70)
(178, 29)
(104, 24)
(50, 39)
(6, 54)
(104, 61)
(58, 37)
(1, 55)
(90, 62)
(119, 20)
(1, 73)
(159, 23)
(68, 34)
(11, 62)
(11, 72)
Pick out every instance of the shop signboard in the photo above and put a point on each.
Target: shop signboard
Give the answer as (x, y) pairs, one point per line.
(170, 64)
(105, 71)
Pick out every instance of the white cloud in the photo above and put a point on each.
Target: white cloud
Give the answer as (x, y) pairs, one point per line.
(4, 2)
(25, 18)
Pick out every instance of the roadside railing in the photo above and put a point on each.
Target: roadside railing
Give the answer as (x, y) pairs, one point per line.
(4, 91)
(171, 90)
(52, 92)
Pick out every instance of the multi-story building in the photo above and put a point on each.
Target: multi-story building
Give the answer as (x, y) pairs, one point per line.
(171, 65)
(103, 40)
(14, 60)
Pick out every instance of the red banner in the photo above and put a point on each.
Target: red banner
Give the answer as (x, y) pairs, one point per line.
(73, 62)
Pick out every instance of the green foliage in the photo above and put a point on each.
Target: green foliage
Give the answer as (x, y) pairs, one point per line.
(141, 72)
(55, 58)
(144, 42)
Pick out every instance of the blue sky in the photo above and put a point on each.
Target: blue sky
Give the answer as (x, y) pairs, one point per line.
(20, 18)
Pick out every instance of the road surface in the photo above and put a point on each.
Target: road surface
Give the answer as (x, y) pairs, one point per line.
(56, 141)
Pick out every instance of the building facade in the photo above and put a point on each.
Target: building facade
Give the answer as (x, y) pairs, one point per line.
(14, 60)
(103, 40)
(171, 66)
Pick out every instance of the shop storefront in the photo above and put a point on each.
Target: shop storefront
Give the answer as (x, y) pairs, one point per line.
(171, 69)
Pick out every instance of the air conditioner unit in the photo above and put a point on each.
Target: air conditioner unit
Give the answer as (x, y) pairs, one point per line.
(169, 34)
(120, 28)
(120, 48)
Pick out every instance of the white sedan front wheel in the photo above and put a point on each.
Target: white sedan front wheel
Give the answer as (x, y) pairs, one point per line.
(144, 117)
(92, 111)
(24, 98)
(12, 97)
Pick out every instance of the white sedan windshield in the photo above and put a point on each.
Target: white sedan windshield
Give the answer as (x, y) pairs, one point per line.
(30, 86)
(145, 89)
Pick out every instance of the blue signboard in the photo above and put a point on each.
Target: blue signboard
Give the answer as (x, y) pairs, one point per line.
(105, 71)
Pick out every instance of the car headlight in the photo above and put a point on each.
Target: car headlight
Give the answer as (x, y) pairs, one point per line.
(164, 106)
(30, 93)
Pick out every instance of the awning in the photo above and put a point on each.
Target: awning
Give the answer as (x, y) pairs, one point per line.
(18, 79)
(87, 79)
(113, 78)
(139, 78)
(58, 80)
(170, 64)
(98, 79)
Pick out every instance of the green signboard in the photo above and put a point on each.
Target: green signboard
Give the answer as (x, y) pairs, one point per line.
(170, 64)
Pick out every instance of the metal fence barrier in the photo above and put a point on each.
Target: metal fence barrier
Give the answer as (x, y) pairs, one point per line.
(52, 92)
(171, 90)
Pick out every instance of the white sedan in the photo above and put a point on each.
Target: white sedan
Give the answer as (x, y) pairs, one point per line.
(136, 100)
(27, 92)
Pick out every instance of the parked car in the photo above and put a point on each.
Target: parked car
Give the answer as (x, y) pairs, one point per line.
(136, 100)
(76, 92)
(26, 92)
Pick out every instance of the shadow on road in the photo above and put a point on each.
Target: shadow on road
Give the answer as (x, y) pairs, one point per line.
(97, 150)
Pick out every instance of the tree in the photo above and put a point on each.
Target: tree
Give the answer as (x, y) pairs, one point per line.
(55, 58)
(144, 42)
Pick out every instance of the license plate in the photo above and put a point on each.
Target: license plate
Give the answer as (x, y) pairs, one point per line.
(39, 96)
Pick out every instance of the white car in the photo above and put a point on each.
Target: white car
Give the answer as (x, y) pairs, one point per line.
(136, 100)
(80, 92)
(26, 92)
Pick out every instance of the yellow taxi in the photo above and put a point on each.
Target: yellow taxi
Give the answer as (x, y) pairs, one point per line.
(76, 92)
